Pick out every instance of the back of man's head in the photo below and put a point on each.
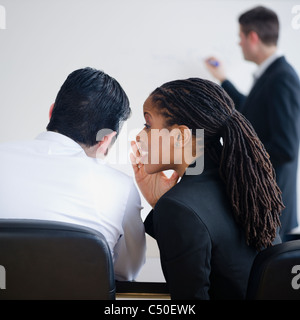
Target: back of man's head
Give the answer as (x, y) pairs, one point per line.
(89, 101)
(264, 22)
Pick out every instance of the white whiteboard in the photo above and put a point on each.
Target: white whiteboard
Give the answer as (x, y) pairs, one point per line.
(142, 43)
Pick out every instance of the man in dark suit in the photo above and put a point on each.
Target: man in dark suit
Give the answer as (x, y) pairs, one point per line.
(273, 104)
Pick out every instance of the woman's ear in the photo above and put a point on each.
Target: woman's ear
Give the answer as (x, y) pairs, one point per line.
(183, 136)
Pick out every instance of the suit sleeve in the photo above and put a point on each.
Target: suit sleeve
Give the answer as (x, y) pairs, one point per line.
(237, 97)
(148, 223)
(284, 120)
(185, 250)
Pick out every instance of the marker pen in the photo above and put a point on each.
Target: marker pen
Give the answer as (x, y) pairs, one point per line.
(213, 63)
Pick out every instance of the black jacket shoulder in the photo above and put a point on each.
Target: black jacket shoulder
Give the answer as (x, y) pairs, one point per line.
(199, 241)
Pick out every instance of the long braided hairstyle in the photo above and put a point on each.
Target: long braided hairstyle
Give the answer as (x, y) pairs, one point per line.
(244, 164)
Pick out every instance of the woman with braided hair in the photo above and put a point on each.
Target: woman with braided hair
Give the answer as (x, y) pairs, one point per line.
(209, 226)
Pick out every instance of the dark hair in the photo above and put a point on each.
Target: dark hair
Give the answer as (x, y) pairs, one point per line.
(88, 101)
(264, 22)
(244, 164)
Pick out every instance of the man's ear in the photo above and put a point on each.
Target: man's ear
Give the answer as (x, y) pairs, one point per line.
(51, 110)
(253, 36)
(105, 143)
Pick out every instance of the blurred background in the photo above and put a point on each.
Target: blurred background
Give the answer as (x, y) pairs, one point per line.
(141, 43)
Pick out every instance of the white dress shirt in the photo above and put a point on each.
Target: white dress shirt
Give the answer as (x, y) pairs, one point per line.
(52, 178)
(265, 64)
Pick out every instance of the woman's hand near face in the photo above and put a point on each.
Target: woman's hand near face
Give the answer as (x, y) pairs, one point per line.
(152, 186)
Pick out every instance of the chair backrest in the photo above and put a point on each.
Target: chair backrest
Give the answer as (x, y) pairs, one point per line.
(54, 260)
(275, 273)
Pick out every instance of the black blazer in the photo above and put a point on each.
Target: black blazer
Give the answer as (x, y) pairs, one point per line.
(203, 251)
(273, 108)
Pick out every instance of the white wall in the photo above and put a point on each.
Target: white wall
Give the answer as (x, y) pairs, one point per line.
(142, 43)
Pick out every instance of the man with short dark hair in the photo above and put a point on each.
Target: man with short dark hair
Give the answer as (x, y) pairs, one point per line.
(59, 177)
(273, 104)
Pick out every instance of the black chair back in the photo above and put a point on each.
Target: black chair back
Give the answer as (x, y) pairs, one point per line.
(275, 274)
(54, 260)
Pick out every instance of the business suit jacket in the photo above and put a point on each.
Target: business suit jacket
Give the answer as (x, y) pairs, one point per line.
(203, 251)
(273, 108)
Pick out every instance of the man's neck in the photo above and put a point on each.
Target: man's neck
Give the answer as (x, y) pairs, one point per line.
(265, 53)
(90, 151)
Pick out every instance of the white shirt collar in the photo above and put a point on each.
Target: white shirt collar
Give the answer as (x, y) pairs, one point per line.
(60, 143)
(58, 137)
(263, 66)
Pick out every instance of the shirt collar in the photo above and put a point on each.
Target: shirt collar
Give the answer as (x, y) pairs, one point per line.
(61, 144)
(59, 138)
(263, 66)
